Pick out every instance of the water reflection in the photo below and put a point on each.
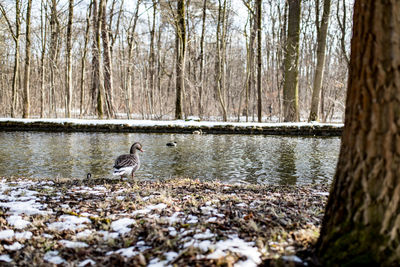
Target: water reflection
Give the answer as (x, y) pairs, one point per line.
(229, 158)
(287, 162)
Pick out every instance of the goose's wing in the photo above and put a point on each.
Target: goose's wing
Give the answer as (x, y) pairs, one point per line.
(126, 160)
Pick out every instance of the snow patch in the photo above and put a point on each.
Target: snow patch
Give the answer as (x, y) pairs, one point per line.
(14, 246)
(84, 234)
(121, 225)
(87, 262)
(126, 252)
(150, 208)
(73, 244)
(17, 222)
(23, 235)
(69, 222)
(107, 235)
(5, 258)
(237, 245)
(52, 257)
(30, 207)
(6, 234)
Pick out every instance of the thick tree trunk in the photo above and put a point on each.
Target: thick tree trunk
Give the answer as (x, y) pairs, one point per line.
(290, 87)
(26, 96)
(362, 219)
(322, 30)
(68, 89)
(180, 56)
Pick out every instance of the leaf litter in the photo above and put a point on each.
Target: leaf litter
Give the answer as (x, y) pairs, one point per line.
(178, 222)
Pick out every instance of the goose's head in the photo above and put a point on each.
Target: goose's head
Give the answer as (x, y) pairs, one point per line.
(136, 146)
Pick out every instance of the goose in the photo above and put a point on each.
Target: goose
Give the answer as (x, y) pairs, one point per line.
(128, 164)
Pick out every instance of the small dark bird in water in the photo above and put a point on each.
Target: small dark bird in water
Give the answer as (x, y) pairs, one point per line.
(127, 164)
(89, 175)
(172, 144)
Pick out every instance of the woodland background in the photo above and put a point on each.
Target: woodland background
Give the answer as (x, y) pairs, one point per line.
(160, 59)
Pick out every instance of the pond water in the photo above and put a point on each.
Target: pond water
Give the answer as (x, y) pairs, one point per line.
(228, 158)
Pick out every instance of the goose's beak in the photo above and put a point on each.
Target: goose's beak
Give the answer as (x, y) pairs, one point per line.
(141, 150)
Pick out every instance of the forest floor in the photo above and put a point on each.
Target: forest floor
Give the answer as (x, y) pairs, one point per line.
(176, 222)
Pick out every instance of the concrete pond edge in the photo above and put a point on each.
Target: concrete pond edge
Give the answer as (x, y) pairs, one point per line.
(184, 127)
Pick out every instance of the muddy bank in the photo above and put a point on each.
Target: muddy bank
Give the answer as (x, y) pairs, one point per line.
(189, 127)
(184, 222)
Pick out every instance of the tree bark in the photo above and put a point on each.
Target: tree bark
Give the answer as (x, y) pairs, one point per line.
(362, 222)
(220, 59)
(152, 58)
(201, 78)
(97, 94)
(83, 60)
(180, 56)
(54, 40)
(68, 89)
(27, 71)
(322, 30)
(259, 60)
(43, 33)
(108, 73)
(290, 87)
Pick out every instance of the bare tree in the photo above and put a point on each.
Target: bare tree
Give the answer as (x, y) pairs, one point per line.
(15, 33)
(201, 78)
(54, 49)
(259, 60)
(27, 71)
(220, 58)
(68, 89)
(322, 29)
(342, 26)
(43, 35)
(129, 68)
(83, 60)
(108, 73)
(290, 89)
(180, 57)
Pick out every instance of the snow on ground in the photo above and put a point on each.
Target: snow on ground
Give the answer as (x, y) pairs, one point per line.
(73, 244)
(6, 234)
(149, 209)
(52, 257)
(69, 222)
(17, 222)
(202, 222)
(121, 225)
(5, 258)
(87, 262)
(14, 246)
